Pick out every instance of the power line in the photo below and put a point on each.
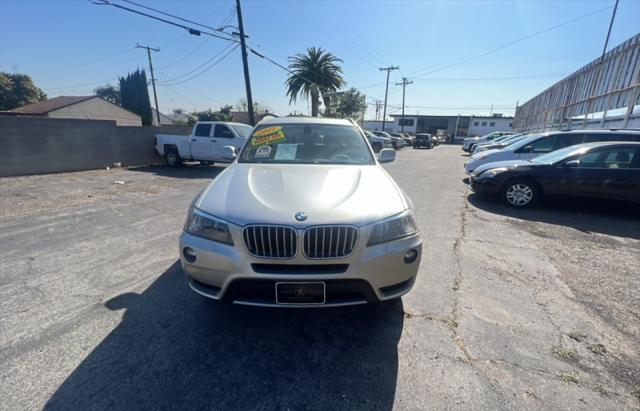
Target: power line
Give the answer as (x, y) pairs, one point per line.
(464, 59)
(205, 41)
(489, 79)
(191, 30)
(94, 83)
(215, 63)
(171, 15)
(281, 66)
(473, 56)
(199, 67)
(372, 63)
(375, 53)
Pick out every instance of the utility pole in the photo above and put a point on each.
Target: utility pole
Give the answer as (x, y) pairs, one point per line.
(404, 83)
(153, 79)
(606, 41)
(245, 63)
(386, 92)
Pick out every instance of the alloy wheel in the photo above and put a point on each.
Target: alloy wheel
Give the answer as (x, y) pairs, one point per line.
(519, 194)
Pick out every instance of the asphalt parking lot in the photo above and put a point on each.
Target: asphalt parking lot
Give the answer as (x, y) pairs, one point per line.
(512, 308)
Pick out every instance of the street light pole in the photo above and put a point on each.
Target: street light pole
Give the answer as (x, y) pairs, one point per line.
(386, 92)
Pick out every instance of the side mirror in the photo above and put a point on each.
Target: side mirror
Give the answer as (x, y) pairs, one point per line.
(387, 155)
(571, 163)
(229, 153)
(526, 149)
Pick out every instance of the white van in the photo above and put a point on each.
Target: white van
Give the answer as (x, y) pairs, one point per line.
(538, 144)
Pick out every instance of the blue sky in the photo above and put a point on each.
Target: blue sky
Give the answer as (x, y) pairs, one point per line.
(68, 47)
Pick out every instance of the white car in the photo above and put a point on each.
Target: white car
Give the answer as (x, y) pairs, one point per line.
(206, 142)
(305, 216)
(498, 143)
(538, 144)
(470, 142)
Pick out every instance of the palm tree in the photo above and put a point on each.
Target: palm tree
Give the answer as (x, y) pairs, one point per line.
(313, 73)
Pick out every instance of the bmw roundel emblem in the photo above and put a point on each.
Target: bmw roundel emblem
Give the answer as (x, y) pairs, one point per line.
(301, 216)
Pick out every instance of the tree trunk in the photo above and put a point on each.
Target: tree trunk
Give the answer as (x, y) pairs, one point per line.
(315, 102)
(327, 106)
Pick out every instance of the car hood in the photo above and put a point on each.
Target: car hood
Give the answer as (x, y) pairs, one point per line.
(328, 194)
(510, 164)
(483, 154)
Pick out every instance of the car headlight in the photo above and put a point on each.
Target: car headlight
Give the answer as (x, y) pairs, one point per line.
(492, 172)
(206, 226)
(393, 228)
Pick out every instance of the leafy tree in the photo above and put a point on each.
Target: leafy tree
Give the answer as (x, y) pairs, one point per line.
(108, 92)
(313, 73)
(349, 104)
(17, 90)
(134, 95)
(224, 114)
(258, 108)
(180, 117)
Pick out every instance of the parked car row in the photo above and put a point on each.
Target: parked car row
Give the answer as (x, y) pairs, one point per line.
(588, 163)
(378, 142)
(469, 143)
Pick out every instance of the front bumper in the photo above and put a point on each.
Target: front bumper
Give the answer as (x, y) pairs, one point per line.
(484, 186)
(369, 274)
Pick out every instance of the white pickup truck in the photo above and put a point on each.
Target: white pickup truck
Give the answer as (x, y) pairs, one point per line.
(205, 144)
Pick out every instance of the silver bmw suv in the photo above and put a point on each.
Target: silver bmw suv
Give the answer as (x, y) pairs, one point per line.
(305, 216)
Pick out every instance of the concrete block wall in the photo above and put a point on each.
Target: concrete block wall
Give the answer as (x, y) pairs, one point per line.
(40, 145)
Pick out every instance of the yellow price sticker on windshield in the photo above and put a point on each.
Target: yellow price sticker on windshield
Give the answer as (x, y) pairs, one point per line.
(268, 135)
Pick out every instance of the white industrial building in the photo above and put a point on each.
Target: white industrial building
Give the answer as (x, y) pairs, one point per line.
(481, 126)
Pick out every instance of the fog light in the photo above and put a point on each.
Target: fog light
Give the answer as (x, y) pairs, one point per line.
(190, 255)
(410, 256)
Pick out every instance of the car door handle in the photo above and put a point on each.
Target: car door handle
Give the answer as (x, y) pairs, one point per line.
(194, 139)
(214, 141)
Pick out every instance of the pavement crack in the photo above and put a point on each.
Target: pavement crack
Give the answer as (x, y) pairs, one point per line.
(453, 319)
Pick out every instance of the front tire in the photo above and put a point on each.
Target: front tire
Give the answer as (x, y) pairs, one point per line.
(173, 158)
(520, 193)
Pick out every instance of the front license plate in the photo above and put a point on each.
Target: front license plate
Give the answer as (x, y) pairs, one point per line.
(300, 293)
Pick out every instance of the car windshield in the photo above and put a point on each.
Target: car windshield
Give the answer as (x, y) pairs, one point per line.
(512, 139)
(559, 155)
(524, 141)
(503, 138)
(307, 144)
(242, 130)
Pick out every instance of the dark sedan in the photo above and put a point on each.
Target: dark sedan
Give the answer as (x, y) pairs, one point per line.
(606, 169)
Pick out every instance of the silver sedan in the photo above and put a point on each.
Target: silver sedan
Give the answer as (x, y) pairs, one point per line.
(305, 216)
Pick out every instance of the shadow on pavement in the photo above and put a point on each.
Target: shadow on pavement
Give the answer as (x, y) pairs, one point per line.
(616, 218)
(189, 170)
(175, 349)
